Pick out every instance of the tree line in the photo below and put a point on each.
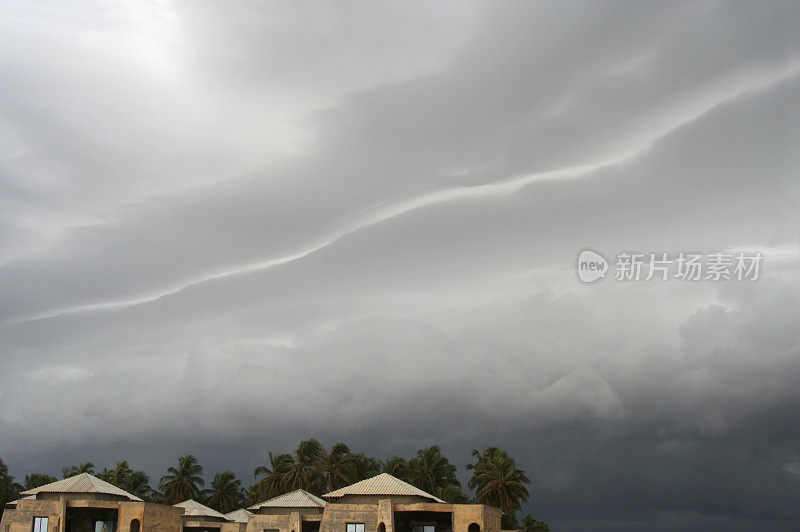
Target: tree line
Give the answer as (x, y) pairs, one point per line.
(496, 480)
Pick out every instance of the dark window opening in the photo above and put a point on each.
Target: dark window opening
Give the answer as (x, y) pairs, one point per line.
(310, 526)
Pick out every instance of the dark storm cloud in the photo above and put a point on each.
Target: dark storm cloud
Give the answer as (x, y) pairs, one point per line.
(222, 235)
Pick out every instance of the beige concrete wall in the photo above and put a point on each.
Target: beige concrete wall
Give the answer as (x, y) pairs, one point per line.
(269, 510)
(82, 499)
(223, 526)
(152, 517)
(491, 519)
(281, 522)
(8, 517)
(466, 514)
(385, 515)
(336, 517)
(229, 527)
(21, 518)
(161, 518)
(128, 511)
(373, 499)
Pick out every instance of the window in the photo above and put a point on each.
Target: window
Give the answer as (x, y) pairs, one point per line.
(422, 528)
(103, 526)
(39, 524)
(355, 527)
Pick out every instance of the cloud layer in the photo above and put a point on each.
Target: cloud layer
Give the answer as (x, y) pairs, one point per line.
(221, 234)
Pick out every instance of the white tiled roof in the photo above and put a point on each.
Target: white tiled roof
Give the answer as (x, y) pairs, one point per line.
(239, 516)
(293, 499)
(14, 503)
(82, 483)
(383, 484)
(192, 508)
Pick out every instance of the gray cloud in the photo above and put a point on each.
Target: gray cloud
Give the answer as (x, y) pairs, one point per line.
(220, 234)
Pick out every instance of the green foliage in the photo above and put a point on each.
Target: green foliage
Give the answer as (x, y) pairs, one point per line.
(497, 481)
(225, 494)
(182, 482)
(509, 521)
(529, 524)
(84, 467)
(431, 470)
(452, 494)
(271, 484)
(128, 479)
(303, 471)
(397, 466)
(338, 467)
(313, 468)
(34, 480)
(365, 467)
(9, 490)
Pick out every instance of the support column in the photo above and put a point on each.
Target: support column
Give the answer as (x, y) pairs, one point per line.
(385, 515)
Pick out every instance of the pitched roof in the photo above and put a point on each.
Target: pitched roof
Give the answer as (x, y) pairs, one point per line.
(192, 508)
(81, 483)
(293, 499)
(383, 484)
(14, 503)
(239, 516)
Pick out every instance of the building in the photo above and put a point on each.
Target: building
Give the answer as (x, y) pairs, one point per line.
(84, 503)
(383, 503)
(200, 518)
(380, 504)
(297, 511)
(239, 516)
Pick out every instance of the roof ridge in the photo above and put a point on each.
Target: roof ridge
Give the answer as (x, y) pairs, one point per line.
(293, 499)
(81, 483)
(207, 511)
(381, 484)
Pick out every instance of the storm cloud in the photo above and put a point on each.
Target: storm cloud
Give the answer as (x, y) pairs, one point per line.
(226, 227)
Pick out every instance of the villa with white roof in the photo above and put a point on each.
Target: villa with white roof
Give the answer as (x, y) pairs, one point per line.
(84, 503)
(383, 503)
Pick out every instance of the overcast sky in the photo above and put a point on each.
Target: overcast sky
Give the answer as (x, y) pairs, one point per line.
(229, 226)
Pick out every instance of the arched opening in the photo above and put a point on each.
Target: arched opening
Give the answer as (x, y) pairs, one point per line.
(381, 527)
(474, 527)
(135, 525)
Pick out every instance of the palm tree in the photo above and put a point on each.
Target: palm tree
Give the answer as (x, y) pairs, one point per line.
(336, 467)
(119, 476)
(364, 466)
(396, 466)
(84, 467)
(34, 480)
(453, 495)
(271, 485)
(139, 484)
(126, 478)
(9, 490)
(497, 481)
(182, 482)
(431, 470)
(225, 494)
(529, 524)
(302, 473)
